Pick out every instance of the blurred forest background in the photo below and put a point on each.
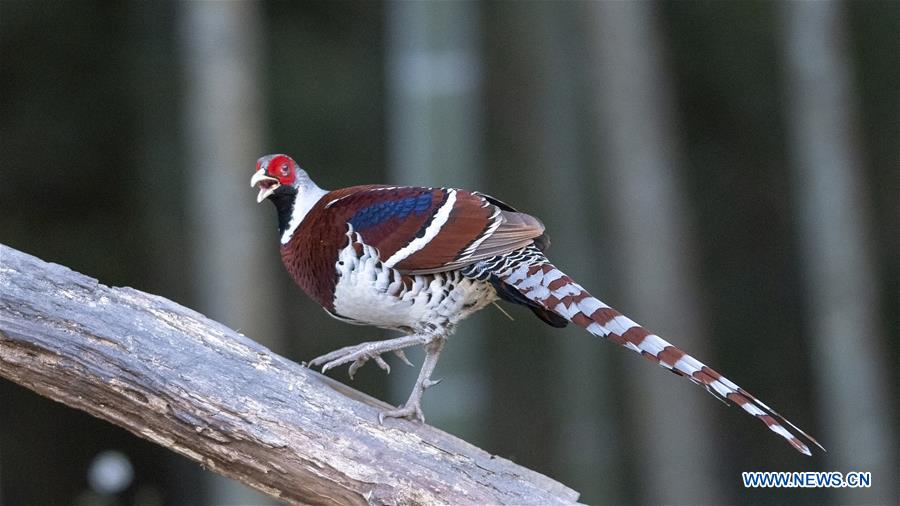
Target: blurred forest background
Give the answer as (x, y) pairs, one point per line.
(725, 173)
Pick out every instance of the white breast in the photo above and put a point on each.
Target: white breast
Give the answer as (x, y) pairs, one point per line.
(370, 293)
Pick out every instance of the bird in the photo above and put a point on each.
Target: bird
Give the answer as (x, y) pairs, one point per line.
(419, 260)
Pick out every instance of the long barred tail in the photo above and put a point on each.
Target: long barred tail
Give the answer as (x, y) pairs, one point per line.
(535, 278)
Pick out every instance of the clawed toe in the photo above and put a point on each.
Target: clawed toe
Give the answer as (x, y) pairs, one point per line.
(361, 361)
(356, 356)
(413, 408)
(402, 356)
(328, 357)
(410, 411)
(356, 360)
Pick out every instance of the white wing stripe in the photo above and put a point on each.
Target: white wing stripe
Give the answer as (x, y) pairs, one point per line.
(496, 221)
(434, 228)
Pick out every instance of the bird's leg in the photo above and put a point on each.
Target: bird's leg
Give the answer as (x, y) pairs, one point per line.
(359, 354)
(413, 408)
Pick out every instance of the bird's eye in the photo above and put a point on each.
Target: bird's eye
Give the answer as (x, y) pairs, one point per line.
(285, 170)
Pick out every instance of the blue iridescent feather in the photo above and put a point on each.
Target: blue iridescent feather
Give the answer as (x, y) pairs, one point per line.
(377, 214)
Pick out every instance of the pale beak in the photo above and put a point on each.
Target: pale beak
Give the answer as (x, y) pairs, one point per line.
(267, 184)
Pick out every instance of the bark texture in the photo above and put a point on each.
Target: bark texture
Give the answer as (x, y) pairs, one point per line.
(172, 376)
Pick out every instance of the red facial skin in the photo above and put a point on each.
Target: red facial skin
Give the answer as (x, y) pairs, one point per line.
(281, 167)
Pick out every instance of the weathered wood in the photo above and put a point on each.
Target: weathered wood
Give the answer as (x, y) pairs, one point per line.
(171, 375)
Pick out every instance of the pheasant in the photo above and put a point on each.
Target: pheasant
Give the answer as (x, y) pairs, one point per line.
(420, 260)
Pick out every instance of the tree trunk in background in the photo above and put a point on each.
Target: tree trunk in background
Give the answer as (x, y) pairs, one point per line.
(234, 258)
(160, 181)
(847, 344)
(433, 67)
(543, 165)
(652, 234)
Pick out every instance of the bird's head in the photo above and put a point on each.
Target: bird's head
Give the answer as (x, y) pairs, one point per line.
(289, 187)
(277, 174)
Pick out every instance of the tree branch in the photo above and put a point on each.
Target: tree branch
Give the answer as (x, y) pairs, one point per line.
(171, 375)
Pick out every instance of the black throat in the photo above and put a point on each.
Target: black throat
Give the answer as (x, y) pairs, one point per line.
(283, 198)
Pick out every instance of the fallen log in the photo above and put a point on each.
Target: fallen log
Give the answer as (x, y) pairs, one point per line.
(172, 376)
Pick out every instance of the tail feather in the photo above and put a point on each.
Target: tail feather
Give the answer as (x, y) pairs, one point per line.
(535, 278)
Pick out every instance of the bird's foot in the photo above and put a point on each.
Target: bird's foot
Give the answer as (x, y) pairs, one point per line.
(413, 407)
(356, 356)
(359, 354)
(412, 411)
